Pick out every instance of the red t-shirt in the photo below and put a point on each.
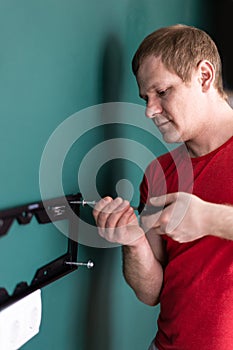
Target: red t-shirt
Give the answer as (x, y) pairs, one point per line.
(196, 303)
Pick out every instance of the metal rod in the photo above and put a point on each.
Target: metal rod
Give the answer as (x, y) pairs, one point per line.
(83, 202)
(147, 210)
(89, 264)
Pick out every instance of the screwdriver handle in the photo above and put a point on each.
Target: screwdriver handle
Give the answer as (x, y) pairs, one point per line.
(150, 209)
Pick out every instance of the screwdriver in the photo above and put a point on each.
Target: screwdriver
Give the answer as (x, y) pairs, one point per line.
(83, 202)
(142, 208)
(89, 264)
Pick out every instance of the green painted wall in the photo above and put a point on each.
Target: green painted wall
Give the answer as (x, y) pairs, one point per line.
(57, 58)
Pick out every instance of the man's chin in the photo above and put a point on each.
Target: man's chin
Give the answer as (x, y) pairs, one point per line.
(172, 138)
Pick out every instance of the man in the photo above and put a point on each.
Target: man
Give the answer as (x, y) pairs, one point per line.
(182, 256)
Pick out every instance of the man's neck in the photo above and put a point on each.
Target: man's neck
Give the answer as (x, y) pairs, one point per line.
(219, 131)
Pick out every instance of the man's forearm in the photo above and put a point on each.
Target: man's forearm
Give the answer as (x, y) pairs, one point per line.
(142, 271)
(221, 220)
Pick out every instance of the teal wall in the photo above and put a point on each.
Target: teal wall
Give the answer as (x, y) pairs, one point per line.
(58, 57)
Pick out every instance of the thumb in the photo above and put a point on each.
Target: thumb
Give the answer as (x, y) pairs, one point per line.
(164, 200)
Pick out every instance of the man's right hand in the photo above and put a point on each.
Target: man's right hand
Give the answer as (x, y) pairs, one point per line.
(117, 222)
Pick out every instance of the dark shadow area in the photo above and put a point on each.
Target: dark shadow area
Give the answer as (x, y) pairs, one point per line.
(111, 75)
(222, 34)
(99, 317)
(111, 71)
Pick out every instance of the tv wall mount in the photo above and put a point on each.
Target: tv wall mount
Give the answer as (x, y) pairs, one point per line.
(51, 210)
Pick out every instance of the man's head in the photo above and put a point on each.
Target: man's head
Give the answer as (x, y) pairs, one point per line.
(181, 48)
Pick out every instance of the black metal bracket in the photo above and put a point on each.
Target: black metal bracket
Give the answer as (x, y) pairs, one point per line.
(47, 211)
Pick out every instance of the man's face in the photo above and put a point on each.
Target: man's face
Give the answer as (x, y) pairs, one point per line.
(174, 105)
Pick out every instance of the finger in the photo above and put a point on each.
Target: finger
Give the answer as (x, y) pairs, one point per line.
(128, 217)
(101, 205)
(164, 200)
(117, 213)
(118, 219)
(115, 224)
(158, 231)
(103, 213)
(150, 221)
(130, 222)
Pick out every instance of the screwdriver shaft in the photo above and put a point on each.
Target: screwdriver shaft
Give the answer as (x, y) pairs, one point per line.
(147, 210)
(89, 264)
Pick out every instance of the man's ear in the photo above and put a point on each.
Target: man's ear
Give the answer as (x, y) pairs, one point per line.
(206, 74)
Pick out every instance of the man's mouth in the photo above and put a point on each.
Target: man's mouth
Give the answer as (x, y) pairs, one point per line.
(161, 123)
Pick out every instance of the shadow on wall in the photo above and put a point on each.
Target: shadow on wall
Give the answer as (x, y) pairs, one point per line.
(222, 28)
(99, 318)
(111, 81)
(111, 70)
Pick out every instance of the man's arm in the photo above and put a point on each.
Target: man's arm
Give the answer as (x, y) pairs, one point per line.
(143, 271)
(117, 223)
(220, 219)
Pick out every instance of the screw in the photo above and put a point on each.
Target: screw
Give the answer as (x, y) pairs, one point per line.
(89, 264)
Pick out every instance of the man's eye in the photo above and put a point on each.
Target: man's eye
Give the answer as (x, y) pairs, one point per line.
(161, 93)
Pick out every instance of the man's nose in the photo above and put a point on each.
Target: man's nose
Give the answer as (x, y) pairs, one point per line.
(153, 107)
